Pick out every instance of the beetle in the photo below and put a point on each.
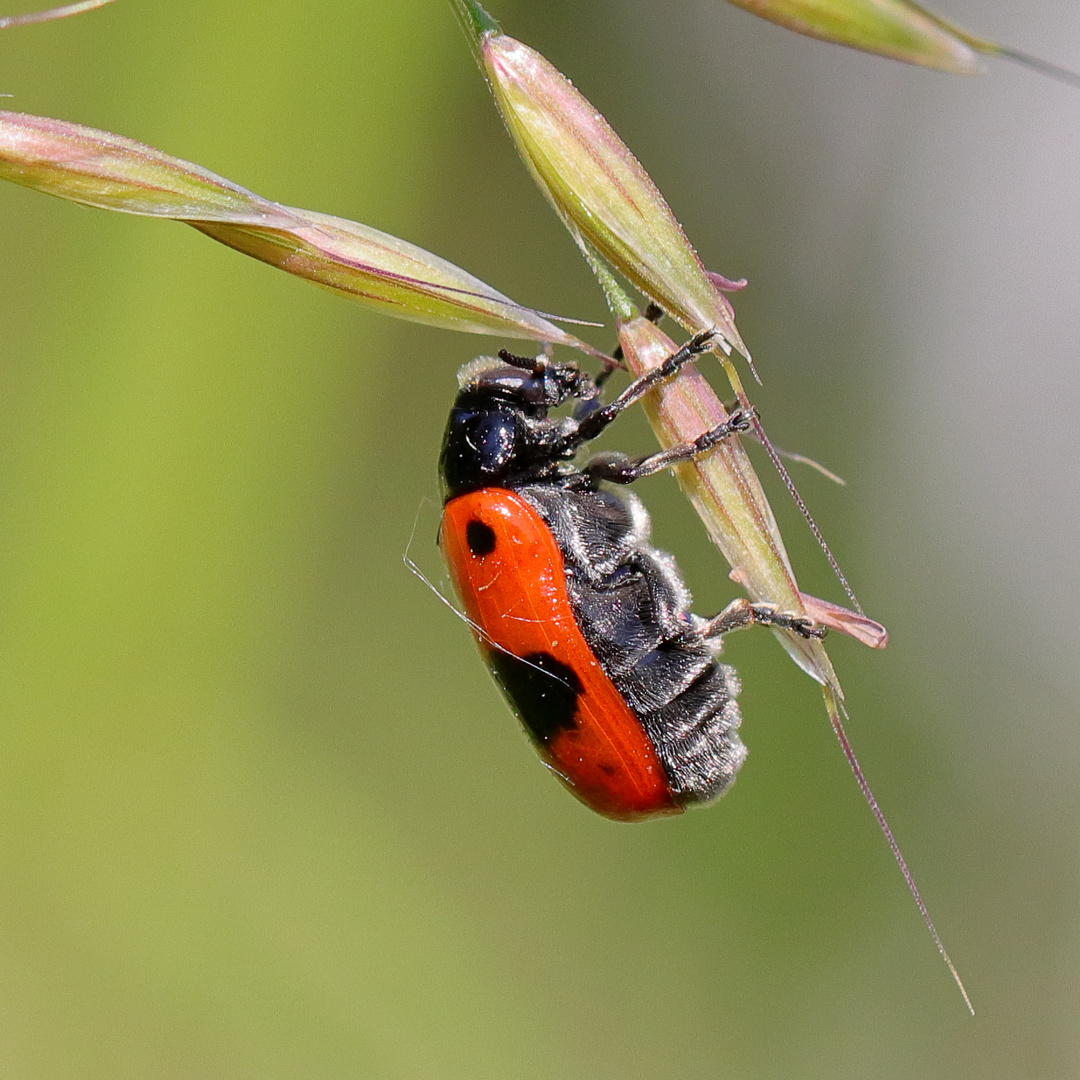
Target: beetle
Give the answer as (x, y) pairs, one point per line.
(585, 626)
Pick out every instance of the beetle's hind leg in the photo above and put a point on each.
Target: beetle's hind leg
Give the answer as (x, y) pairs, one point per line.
(741, 613)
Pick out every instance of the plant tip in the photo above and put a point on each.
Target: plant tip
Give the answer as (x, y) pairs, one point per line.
(477, 21)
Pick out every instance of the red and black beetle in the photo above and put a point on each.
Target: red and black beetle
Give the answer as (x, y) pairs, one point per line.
(585, 626)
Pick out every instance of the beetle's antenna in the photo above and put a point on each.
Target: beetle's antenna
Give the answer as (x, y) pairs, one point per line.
(835, 708)
(526, 363)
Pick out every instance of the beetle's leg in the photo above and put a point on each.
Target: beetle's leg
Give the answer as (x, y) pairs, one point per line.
(623, 470)
(740, 613)
(595, 422)
(654, 313)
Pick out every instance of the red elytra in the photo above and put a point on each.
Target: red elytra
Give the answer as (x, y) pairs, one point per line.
(513, 588)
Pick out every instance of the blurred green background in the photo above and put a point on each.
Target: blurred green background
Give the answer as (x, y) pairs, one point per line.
(263, 814)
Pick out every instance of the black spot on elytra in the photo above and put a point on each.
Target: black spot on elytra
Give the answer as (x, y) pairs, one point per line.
(480, 538)
(543, 691)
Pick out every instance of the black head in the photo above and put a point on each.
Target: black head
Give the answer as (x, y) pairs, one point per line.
(499, 433)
